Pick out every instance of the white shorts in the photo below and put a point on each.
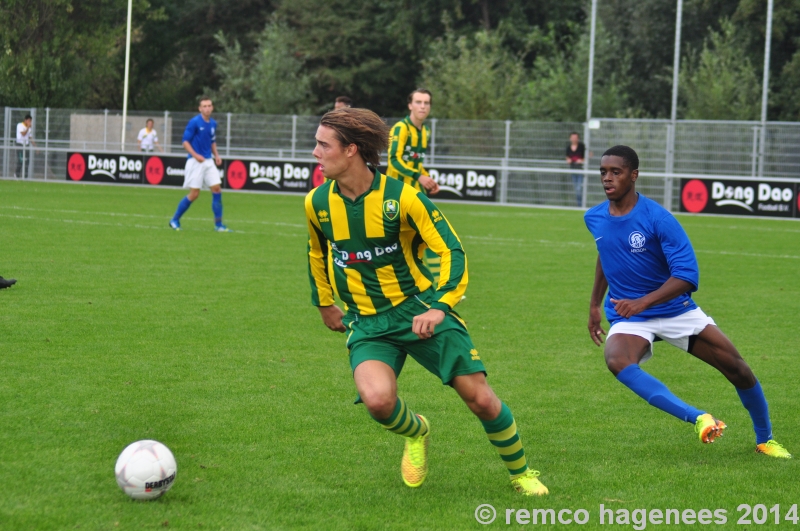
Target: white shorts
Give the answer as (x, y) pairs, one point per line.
(674, 330)
(198, 174)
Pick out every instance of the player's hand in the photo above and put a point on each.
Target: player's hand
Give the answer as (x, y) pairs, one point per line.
(596, 331)
(627, 308)
(332, 317)
(429, 184)
(218, 161)
(199, 158)
(425, 324)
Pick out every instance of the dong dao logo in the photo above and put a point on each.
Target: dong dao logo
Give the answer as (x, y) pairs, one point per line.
(774, 199)
(474, 185)
(102, 166)
(741, 196)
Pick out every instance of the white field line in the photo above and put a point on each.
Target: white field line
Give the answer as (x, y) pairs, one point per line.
(488, 240)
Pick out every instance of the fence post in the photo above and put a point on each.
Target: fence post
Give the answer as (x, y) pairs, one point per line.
(30, 143)
(433, 141)
(754, 155)
(504, 168)
(46, 139)
(6, 139)
(669, 166)
(762, 149)
(586, 163)
(228, 137)
(105, 130)
(294, 133)
(167, 139)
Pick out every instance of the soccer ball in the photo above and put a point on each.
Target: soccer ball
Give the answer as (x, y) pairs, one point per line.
(145, 470)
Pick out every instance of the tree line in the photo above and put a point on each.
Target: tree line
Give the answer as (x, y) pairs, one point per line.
(483, 59)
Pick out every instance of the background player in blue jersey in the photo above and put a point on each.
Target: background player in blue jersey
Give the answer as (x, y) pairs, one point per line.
(200, 141)
(647, 264)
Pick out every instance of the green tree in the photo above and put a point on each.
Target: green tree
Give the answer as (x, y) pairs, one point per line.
(60, 53)
(271, 81)
(557, 86)
(720, 83)
(472, 78)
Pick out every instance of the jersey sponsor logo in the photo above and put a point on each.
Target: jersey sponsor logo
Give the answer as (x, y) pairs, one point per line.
(436, 216)
(637, 240)
(322, 216)
(347, 258)
(391, 209)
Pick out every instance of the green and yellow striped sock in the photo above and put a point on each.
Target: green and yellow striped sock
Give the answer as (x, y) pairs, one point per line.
(502, 433)
(403, 421)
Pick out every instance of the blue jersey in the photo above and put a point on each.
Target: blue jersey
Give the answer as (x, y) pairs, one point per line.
(201, 134)
(639, 252)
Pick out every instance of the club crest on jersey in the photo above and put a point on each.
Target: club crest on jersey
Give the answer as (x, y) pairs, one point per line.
(636, 240)
(391, 209)
(322, 215)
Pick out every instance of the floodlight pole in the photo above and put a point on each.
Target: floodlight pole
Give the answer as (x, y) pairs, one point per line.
(765, 92)
(589, 82)
(673, 117)
(127, 71)
(591, 62)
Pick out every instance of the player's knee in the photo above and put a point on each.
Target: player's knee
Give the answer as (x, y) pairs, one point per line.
(485, 404)
(379, 404)
(616, 364)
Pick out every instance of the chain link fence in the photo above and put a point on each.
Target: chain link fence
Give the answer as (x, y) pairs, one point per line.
(528, 156)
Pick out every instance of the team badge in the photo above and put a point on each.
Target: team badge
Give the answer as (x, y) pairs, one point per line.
(636, 239)
(391, 209)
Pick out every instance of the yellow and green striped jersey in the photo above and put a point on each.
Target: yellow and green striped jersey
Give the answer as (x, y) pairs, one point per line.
(407, 148)
(368, 252)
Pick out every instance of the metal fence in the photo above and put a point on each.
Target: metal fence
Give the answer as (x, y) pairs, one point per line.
(530, 156)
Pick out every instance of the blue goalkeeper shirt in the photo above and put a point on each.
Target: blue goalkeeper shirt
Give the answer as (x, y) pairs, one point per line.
(639, 252)
(201, 134)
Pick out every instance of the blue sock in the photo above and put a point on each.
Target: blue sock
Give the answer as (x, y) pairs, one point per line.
(656, 393)
(183, 206)
(216, 206)
(754, 402)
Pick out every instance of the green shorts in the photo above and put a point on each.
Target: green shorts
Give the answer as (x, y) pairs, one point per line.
(387, 337)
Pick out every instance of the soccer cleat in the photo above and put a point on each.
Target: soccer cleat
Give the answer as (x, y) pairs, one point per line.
(773, 449)
(529, 484)
(7, 282)
(222, 228)
(414, 466)
(708, 428)
(175, 224)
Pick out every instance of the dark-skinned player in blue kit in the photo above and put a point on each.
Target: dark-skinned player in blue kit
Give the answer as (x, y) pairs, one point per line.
(647, 266)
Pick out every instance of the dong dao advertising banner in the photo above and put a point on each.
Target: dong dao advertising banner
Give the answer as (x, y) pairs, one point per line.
(271, 176)
(164, 171)
(744, 198)
(104, 168)
(463, 185)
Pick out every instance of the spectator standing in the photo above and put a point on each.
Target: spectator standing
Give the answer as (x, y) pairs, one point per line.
(148, 138)
(24, 140)
(576, 154)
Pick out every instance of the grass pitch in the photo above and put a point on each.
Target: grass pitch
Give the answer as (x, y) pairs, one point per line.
(121, 329)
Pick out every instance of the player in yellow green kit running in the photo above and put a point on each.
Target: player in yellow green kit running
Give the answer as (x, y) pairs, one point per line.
(364, 233)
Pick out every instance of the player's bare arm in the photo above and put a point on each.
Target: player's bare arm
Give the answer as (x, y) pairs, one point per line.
(217, 158)
(669, 290)
(332, 317)
(188, 147)
(596, 331)
(424, 325)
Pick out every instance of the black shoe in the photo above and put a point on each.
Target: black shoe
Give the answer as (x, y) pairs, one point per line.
(7, 282)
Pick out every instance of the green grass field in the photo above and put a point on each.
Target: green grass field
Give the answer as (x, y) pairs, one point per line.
(121, 329)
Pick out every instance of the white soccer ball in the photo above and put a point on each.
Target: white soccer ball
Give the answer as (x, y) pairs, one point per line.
(145, 470)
